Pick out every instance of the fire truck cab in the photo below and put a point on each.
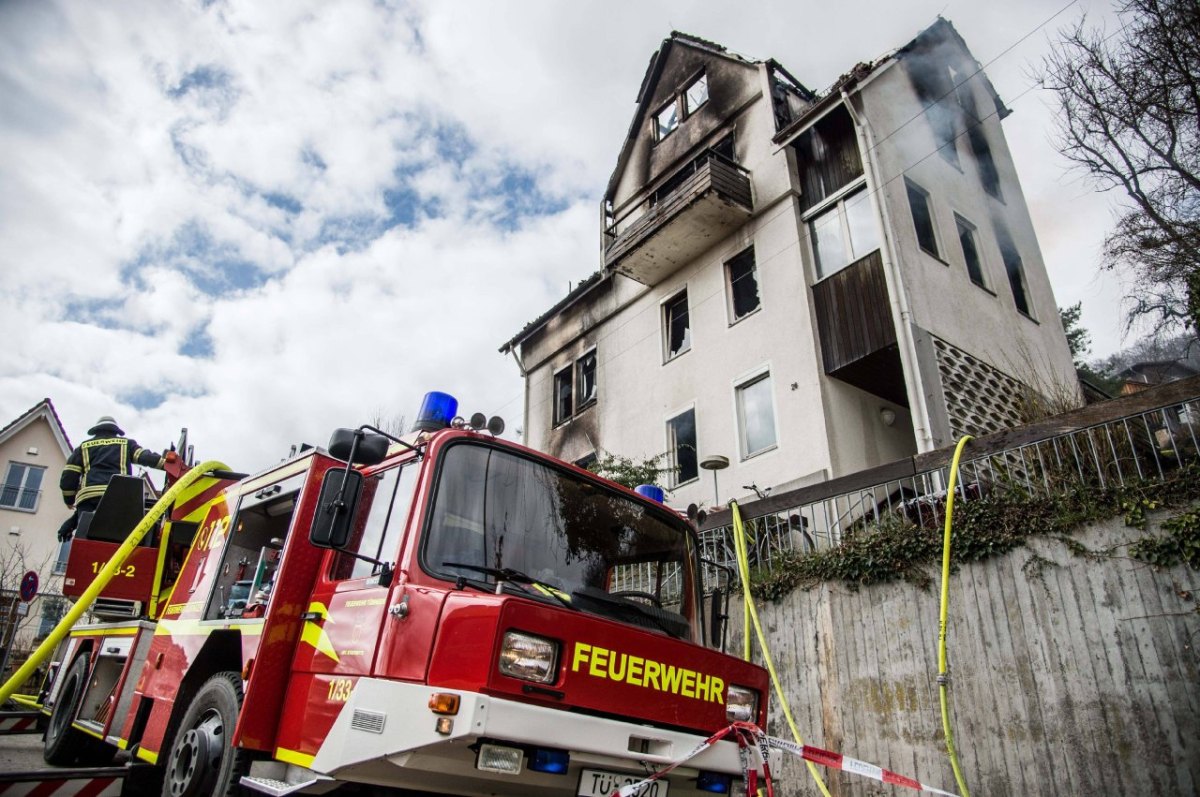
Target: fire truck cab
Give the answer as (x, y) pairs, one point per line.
(445, 612)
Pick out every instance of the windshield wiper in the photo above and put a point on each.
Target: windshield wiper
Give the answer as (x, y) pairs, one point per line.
(600, 596)
(507, 574)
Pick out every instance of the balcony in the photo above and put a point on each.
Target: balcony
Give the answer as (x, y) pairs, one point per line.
(858, 334)
(694, 208)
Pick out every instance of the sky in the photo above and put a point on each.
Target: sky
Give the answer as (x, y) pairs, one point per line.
(264, 220)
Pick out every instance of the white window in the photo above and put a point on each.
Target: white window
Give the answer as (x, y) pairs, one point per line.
(922, 216)
(844, 233)
(22, 487)
(756, 415)
(742, 279)
(681, 448)
(968, 239)
(677, 333)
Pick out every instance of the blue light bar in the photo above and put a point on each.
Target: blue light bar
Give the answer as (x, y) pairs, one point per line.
(714, 782)
(554, 762)
(651, 492)
(437, 410)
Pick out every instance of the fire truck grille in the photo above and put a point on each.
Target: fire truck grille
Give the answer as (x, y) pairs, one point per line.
(116, 609)
(369, 721)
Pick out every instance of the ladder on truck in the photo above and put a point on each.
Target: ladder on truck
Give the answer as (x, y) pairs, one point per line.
(124, 779)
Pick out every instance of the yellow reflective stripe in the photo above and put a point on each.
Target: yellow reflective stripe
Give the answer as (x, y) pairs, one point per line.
(164, 539)
(73, 468)
(88, 731)
(123, 744)
(252, 627)
(104, 631)
(294, 757)
(147, 755)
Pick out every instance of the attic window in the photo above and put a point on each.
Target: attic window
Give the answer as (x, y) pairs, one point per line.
(696, 94)
(666, 120)
(682, 106)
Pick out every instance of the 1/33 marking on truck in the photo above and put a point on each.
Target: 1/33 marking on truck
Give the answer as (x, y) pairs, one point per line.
(599, 783)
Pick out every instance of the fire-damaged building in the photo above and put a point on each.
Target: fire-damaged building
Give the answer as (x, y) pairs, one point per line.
(797, 285)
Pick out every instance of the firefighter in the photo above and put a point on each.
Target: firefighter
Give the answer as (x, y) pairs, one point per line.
(93, 463)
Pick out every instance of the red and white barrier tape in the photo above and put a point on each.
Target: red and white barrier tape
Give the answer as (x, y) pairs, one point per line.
(751, 738)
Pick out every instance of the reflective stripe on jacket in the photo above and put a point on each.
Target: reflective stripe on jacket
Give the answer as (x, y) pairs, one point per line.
(93, 464)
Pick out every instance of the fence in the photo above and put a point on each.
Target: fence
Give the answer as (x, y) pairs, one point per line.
(1143, 436)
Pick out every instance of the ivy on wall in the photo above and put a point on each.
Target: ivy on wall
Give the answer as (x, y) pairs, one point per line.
(996, 523)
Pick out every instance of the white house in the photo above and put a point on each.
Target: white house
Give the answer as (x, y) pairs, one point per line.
(804, 284)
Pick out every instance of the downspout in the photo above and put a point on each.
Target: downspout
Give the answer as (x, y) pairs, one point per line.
(898, 294)
(525, 390)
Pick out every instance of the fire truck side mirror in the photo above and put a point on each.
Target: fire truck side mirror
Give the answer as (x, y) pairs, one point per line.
(370, 450)
(340, 491)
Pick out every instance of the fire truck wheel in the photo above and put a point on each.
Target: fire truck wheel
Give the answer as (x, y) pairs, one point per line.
(203, 761)
(65, 745)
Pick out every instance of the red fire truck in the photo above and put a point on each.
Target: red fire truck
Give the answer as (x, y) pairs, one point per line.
(445, 612)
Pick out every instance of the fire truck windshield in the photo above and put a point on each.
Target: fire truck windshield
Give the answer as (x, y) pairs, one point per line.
(605, 553)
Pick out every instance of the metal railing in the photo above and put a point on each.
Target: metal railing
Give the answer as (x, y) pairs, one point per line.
(24, 499)
(1130, 442)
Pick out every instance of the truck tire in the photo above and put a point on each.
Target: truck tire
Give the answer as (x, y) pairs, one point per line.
(203, 761)
(65, 745)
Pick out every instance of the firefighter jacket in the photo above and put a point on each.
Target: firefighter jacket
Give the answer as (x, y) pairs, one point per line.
(96, 461)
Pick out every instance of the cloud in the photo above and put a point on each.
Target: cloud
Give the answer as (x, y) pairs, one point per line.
(264, 220)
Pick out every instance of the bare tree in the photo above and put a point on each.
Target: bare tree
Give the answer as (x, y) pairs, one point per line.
(1130, 119)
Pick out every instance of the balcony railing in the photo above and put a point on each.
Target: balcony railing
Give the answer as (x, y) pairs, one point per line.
(22, 499)
(1142, 437)
(696, 206)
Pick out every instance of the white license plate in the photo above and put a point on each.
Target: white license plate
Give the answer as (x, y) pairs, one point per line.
(598, 783)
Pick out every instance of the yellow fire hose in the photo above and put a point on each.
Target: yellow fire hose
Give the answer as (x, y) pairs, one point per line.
(106, 574)
(943, 678)
(750, 614)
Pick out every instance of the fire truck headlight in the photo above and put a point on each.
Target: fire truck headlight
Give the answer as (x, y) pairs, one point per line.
(528, 657)
(741, 704)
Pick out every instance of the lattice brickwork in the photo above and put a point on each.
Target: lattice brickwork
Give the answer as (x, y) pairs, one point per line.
(980, 399)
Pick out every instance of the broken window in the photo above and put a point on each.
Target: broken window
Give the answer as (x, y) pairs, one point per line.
(743, 284)
(988, 175)
(968, 239)
(666, 121)
(756, 415)
(922, 216)
(681, 447)
(844, 234)
(585, 368)
(562, 395)
(678, 334)
(696, 94)
(1015, 269)
(828, 157)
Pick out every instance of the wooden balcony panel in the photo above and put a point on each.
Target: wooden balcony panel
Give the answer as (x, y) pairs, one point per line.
(854, 315)
(703, 209)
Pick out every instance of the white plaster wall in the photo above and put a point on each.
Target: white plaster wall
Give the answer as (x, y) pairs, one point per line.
(984, 323)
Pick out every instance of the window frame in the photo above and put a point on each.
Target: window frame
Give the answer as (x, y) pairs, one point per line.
(680, 102)
(837, 202)
(740, 385)
(961, 225)
(407, 469)
(582, 403)
(558, 417)
(673, 475)
(731, 304)
(665, 322)
(21, 487)
(910, 188)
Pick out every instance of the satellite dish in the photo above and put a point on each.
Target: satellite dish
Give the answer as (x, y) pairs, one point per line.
(478, 420)
(495, 425)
